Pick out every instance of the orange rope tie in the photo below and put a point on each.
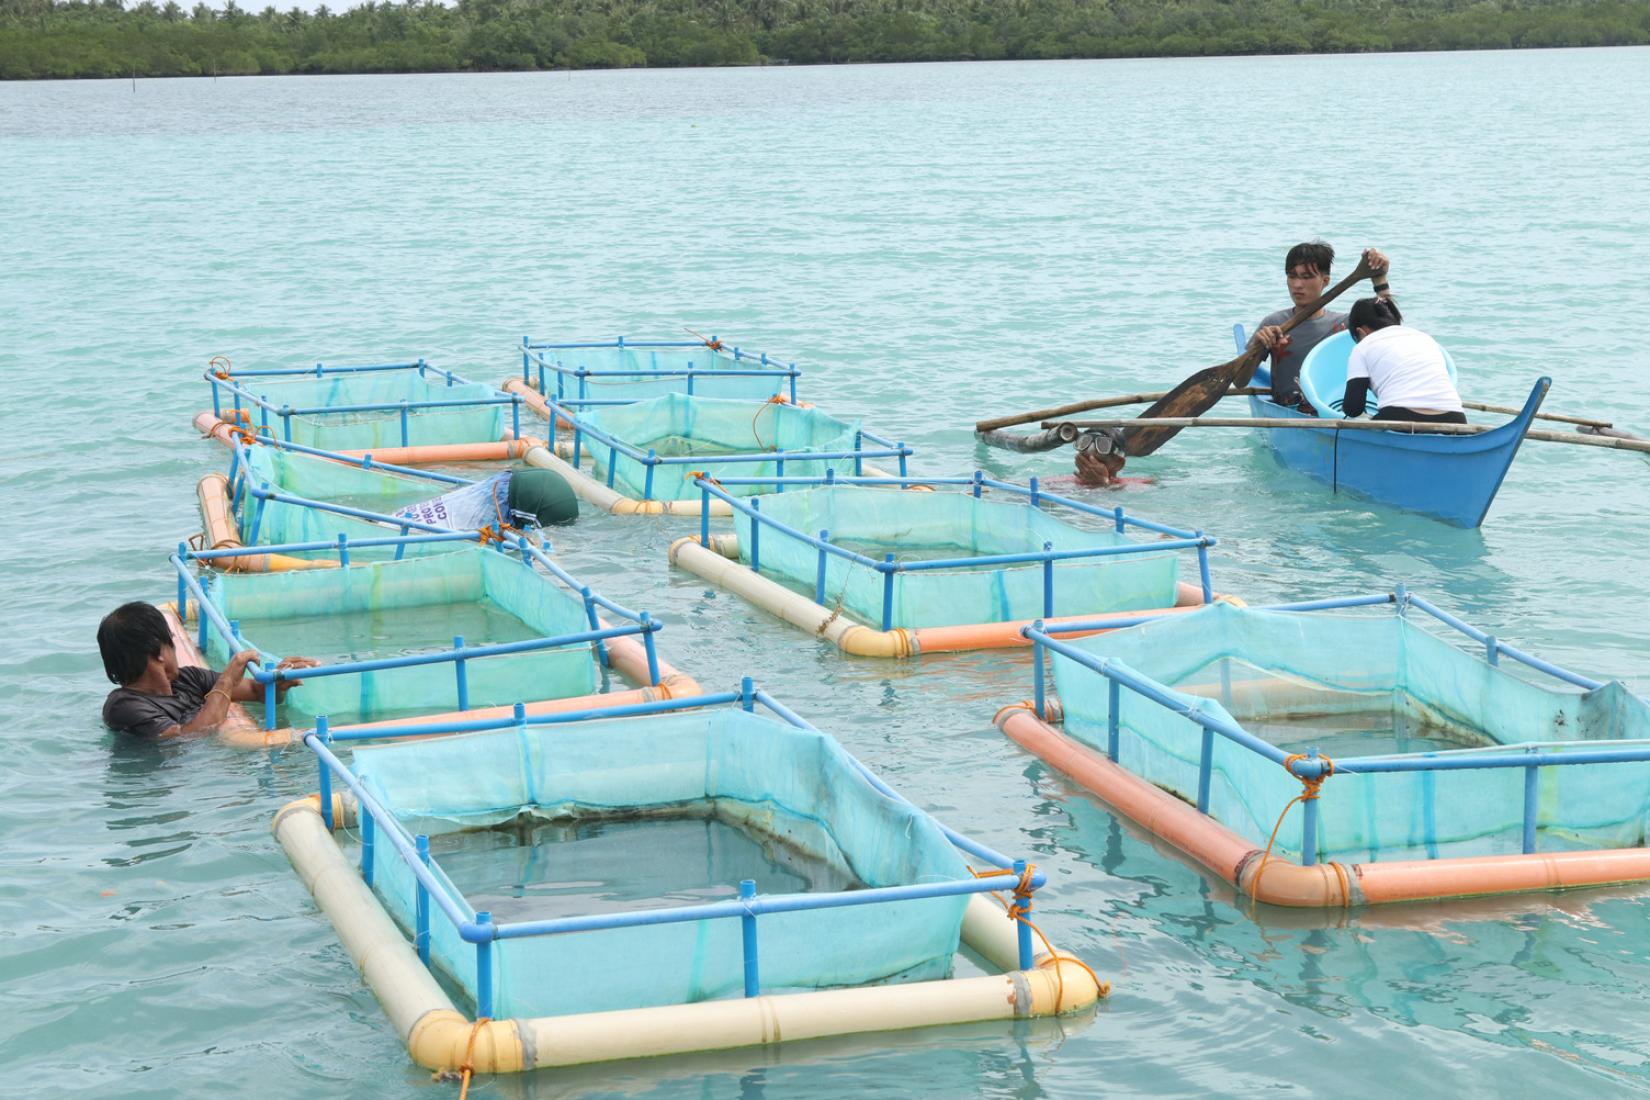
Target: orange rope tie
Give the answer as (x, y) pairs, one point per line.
(501, 533)
(1310, 788)
(217, 371)
(1022, 893)
(467, 1070)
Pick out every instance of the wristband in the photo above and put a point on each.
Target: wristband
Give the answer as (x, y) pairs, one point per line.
(1382, 286)
(218, 691)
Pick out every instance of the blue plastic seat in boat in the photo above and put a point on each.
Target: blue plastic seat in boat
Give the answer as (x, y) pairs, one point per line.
(1323, 375)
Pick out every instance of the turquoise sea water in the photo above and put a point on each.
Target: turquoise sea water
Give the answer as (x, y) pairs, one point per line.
(934, 244)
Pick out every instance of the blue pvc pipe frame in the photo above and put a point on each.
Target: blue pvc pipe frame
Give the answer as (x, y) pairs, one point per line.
(888, 567)
(237, 461)
(286, 412)
(562, 410)
(532, 353)
(479, 929)
(264, 671)
(319, 370)
(1531, 758)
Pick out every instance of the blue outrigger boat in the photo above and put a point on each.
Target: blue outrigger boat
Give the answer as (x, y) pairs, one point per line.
(1449, 477)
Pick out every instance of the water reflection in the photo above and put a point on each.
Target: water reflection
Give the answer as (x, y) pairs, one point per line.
(1543, 969)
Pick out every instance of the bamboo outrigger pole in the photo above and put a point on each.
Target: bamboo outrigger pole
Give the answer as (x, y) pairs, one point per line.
(1409, 427)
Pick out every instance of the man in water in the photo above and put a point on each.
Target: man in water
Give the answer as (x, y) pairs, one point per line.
(1404, 366)
(1100, 458)
(157, 699)
(1306, 271)
(504, 500)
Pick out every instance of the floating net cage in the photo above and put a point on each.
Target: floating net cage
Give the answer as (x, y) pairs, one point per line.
(271, 488)
(361, 408)
(387, 627)
(1414, 725)
(651, 449)
(628, 370)
(714, 868)
(943, 544)
(598, 820)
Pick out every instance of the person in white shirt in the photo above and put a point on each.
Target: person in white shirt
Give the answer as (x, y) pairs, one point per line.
(1403, 366)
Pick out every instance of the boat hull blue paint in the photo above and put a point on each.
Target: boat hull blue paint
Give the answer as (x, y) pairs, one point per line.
(1453, 478)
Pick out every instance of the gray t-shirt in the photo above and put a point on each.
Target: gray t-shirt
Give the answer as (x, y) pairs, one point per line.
(1286, 369)
(143, 715)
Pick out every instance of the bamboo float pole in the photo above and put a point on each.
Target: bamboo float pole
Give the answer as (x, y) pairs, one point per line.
(1506, 410)
(1143, 398)
(1407, 427)
(1244, 391)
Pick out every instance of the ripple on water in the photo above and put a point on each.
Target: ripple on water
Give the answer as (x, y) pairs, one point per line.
(934, 244)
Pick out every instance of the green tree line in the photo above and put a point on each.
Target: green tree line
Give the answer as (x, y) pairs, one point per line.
(47, 39)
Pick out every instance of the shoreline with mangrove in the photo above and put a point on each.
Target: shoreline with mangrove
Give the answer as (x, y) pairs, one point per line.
(90, 39)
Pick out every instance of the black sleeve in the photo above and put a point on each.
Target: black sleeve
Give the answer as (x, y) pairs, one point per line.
(1357, 397)
(129, 712)
(197, 679)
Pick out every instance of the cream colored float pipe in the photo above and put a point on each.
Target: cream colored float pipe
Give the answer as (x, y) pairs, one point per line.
(719, 566)
(438, 1036)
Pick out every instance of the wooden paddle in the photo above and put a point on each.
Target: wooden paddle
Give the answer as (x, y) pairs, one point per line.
(1198, 394)
(986, 426)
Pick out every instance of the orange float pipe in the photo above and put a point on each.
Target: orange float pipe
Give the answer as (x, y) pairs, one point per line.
(238, 727)
(222, 534)
(955, 639)
(434, 453)
(214, 427)
(533, 399)
(625, 655)
(1325, 885)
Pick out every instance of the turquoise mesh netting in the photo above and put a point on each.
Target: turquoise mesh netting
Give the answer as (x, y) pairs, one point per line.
(383, 609)
(676, 424)
(1351, 680)
(361, 430)
(334, 482)
(873, 521)
(771, 778)
(736, 387)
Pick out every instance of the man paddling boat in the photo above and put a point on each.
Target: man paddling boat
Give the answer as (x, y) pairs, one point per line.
(1306, 274)
(1306, 270)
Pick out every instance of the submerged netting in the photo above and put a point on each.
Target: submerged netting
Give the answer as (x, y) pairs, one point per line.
(386, 609)
(1363, 685)
(335, 483)
(705, 428)
(916, 525)
(357, 431)
(792, 793)
(738, 387)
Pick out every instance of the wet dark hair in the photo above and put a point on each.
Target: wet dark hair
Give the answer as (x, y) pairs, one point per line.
(127, 637)
(1317, 255)
(1373, 314)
